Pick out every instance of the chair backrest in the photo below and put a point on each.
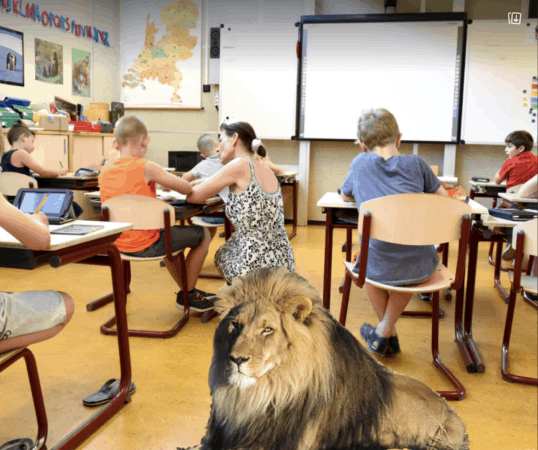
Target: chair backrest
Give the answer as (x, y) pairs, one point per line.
(145, 213)
(530, 245)
(415, 219)
(11, 182)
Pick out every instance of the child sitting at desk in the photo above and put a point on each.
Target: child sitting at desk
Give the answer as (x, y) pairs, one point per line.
(28, 312)
(255, 207)
(211, 164)
(521, 164)
(377, 172)
(19, 159)
(131, 174)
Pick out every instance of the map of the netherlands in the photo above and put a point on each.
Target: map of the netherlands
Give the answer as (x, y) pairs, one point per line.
(161, 53)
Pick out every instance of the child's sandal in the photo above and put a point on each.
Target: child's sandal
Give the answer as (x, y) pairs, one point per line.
(376, 344)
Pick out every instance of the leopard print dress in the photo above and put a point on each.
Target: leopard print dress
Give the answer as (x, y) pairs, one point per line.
(260, 239)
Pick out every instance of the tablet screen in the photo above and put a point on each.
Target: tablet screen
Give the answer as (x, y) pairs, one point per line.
(31, 200)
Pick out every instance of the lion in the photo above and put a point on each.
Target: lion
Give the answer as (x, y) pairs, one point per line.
(286, 376)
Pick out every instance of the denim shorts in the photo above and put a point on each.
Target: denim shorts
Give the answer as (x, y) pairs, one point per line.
(181, 237)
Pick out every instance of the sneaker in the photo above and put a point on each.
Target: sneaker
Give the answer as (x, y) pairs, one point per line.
(509, 253)
(198, 301)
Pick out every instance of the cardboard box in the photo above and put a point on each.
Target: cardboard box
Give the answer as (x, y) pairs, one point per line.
(97, 114)
(54, 122)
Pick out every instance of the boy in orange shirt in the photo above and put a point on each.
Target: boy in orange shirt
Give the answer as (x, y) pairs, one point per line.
(131, 174)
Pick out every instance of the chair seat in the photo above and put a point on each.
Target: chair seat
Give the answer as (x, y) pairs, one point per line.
(200, 222)
(126, 257)
(441, 279)
(528, 283)
(7, 355)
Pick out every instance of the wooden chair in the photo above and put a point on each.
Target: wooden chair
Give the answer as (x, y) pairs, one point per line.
(11, 182)
(145, 213)
(415, 219)
(196, 220)
(13, 349)
(525, 241)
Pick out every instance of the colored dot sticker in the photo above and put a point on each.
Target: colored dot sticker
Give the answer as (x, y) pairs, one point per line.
(524, 104)
(533, 120)
(524, 99)
(534, 114)
(524, 91)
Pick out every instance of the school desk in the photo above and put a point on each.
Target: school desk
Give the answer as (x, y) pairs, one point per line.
(488, 189)
(513, 198)
(65, 249)
(481, 231)
(69, 181)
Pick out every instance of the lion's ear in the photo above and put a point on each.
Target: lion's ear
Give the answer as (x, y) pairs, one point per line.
(223, 305)
(299, 307)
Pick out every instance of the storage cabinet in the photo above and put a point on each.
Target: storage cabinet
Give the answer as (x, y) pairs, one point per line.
(85, 151)
(51, 150)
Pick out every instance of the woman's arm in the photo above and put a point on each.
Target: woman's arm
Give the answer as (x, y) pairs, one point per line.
(31, 230)
(529, 189)
(227, 176)
(154, 172)
(24, 158)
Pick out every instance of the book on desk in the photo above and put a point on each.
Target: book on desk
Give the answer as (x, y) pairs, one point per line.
(515, 214)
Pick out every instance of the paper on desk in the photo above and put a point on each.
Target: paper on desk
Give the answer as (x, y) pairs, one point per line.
(170, 194)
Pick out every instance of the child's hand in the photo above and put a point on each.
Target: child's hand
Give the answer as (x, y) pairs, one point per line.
(41, 218)
(63, 171)
(196, 182)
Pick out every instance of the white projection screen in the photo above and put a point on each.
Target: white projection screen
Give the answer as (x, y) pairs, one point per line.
(409, 64)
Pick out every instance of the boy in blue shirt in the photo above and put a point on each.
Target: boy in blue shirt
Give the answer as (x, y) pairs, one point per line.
(377, 172)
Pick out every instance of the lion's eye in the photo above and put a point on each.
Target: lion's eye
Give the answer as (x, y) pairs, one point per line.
(267, 330)
(235, 325)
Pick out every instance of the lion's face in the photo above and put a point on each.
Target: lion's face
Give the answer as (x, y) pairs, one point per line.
(265, 322)
(257, 343)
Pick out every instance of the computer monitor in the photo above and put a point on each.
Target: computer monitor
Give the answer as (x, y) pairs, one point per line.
(183, 161)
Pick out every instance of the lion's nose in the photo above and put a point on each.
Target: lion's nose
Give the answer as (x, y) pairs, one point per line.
(239, 359)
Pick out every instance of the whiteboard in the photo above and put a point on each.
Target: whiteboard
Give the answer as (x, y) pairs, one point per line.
(501, 62)
(258, 77)
(410, 68)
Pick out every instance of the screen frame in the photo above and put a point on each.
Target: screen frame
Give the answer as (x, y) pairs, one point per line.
(371, 18)
(68, 199)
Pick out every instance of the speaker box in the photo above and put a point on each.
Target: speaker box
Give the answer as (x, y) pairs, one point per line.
(116, 112)
(214, 41)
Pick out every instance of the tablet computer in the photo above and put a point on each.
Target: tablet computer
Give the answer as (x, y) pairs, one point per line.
(58, 206)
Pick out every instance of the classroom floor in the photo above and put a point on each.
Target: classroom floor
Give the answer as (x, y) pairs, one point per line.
(171, 404)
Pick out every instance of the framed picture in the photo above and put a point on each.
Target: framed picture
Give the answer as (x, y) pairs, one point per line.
(81, 73)
(11, 57)
(49, 59)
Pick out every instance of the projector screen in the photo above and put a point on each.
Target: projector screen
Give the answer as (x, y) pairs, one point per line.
(407, 63)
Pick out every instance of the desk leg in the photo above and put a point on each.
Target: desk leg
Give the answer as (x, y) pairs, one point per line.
(469, 301)
(458, 325)
(328, 259)
(90, 425)
(294, 191)
(497, 272)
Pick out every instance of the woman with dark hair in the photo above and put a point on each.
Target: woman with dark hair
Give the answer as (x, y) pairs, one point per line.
(255, 206)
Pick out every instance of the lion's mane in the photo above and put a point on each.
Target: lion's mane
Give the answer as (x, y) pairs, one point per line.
(327, 392)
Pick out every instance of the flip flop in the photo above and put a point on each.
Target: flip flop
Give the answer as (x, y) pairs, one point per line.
(107, 393)
(18, 444)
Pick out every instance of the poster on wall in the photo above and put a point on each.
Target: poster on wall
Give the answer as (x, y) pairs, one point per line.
(161, 53)
(49, 62)
(81, 73)
(11, 57)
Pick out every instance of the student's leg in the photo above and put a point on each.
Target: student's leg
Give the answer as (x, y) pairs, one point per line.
(194, 261)
(379, 298)
(396, 304)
